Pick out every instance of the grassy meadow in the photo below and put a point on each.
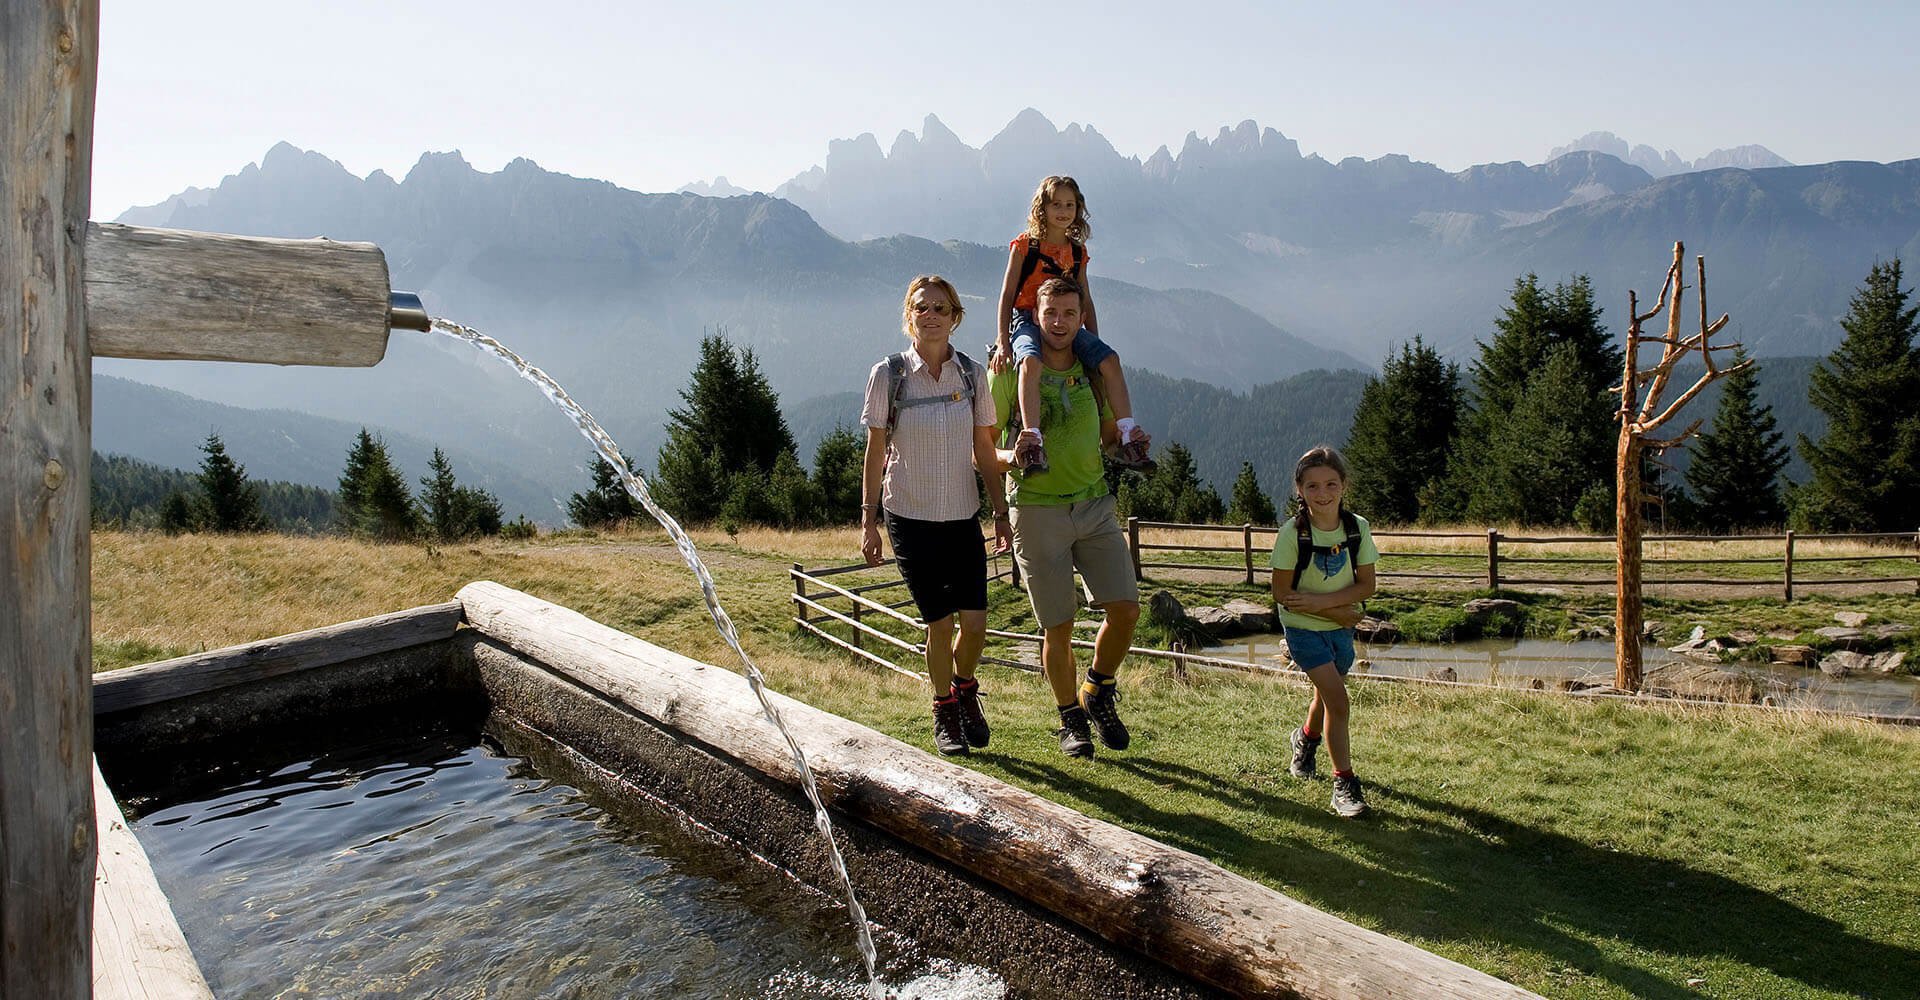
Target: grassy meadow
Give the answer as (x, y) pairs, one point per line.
(1577, 848)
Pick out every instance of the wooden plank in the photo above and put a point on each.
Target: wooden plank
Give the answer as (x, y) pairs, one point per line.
(199, 673)
(47, 65)
(1214, 925)
(139, 952)
(174, 294)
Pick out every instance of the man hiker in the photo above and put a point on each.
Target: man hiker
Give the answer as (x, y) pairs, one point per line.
(1063, 520)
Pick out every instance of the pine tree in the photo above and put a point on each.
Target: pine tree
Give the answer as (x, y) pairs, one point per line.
(729, 422)
(229, 502)
(1531, 469)
(450, 511)
(1175, 493)
(177, 514)
(1403, 432)
(1250, 505)
(374, 500)
(1735, 472)
(607, 503)
(1535, 326)
(838, 464)
(1866, 467)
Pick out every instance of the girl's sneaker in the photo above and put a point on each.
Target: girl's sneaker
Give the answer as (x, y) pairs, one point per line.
(1028, 453)
(1304, 749)
(1348, 800)
(1133, 455)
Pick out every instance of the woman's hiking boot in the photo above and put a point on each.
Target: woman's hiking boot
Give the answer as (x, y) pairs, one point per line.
(1304, 749)
(1348, 800)
(973, 721)
(1076, 739)
(1102, 704)
(948, 736)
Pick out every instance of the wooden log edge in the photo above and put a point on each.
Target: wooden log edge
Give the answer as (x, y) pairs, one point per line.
(139, 952)
(199, 673)
(1169, 904)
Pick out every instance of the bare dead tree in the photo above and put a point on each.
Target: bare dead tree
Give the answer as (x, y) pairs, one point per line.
(1640, 415)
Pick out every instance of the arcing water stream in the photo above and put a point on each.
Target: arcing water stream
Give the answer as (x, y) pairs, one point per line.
(610, 453)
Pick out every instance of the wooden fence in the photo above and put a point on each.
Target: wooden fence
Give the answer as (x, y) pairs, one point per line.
(1490, 566)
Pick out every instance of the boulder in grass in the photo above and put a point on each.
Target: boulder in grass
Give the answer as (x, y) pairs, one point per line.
(1486, 607)
(1798, 656)
(1842, 636)
(1253, 617)
(1851, 619)
(1707, 682)
(1443, 674)
(1845, 663)
(1165, 608)
(1889, 662)
(1219, 621)
(1373, 629)
(1891, 630)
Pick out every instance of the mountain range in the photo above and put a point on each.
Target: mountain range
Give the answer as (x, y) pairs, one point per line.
(1662, 163)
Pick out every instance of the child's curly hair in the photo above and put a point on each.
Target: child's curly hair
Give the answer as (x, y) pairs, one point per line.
(1036, 225)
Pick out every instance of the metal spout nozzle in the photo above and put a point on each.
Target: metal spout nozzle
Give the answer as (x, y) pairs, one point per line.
(405, 312)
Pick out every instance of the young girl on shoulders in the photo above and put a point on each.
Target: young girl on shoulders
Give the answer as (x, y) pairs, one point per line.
(1054, 246)
(1323, 562)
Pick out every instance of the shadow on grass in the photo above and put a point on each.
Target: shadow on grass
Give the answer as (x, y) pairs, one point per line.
(1482, 881)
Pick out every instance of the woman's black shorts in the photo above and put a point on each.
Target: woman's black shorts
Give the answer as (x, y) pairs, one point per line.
(943, 562)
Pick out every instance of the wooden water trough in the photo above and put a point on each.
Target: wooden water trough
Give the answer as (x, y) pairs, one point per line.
(1056, 902)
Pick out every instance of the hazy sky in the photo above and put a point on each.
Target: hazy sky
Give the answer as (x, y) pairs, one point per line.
(653, 95)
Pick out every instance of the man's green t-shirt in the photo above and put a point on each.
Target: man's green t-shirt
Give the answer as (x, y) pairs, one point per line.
(1071, 427)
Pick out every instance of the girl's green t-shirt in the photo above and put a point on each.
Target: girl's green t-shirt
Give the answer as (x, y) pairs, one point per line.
(1328, 572)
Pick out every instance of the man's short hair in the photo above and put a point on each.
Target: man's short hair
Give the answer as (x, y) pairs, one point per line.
(1054, 287)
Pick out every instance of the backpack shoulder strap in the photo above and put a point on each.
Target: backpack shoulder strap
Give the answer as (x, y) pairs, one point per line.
(896, 387)
(966, 372)
(1079, 261)
(1303, 536)
(1030, 262)
(1352, 526)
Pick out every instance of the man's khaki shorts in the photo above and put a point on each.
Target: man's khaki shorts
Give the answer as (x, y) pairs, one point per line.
(1049, 543)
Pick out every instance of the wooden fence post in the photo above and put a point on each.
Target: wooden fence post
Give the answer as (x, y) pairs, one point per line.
(1788, 566)
(799, 590)
(48, 849)
(1246, 542)
(1133, 545)
(1493, 558)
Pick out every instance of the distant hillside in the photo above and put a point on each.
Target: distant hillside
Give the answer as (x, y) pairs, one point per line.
(167, 428)
(129, 493)
(1368, 253)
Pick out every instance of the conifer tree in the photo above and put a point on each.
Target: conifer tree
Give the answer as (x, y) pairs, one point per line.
(729, 422)
(1735, 472)
(1532, 469)
(374, 499)
(1866, 467)
(1175, 493)
(1250, 505)
(607, 503)
(838, 464)
(177, 514)
(229, 503)
(1535, 325)
(1403, 432)
(450, 511)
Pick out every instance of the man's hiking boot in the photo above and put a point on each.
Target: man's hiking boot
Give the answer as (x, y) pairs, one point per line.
(1348, 800)
(1076, 740)
(1029, 454)
(948, 737)
(973, 722)
(1101, 702)
(1133, 455)
(1304, 749)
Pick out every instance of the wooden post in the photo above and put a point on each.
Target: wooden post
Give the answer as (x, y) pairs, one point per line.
(1493, 558)
(1133, 545)
(799, 591)
(1246, 542)
(47, 837)
(1788, 567)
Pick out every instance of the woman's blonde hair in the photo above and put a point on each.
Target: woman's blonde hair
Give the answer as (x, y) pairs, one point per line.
(929, 281)
(1081, 229)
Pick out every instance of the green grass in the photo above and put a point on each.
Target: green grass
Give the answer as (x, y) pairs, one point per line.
(1580, 849)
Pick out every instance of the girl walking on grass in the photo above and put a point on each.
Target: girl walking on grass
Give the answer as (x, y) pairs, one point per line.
(1323, 563)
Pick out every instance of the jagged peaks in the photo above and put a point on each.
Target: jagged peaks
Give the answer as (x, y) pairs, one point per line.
(1026, 127)
(935, 133)
(861, 150)
(1663, 163)
(285, 157)
(433, 166)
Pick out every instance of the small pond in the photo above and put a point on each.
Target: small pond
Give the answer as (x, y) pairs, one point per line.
(1520, 662)
(449, 865)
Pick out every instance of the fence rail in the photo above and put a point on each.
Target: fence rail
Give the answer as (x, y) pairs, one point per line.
(1494, 568)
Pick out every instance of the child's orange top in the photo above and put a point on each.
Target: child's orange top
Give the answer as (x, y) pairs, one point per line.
(1053, 260)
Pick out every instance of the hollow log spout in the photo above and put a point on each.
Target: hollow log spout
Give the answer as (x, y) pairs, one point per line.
(171, 294)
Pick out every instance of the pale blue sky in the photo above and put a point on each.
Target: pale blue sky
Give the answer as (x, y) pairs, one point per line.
(652, 95)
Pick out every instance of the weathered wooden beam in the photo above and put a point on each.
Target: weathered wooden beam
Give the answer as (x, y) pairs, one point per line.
(199, 673)
(1215, 926)
(177, 295)
(139, 952)
(47, 65)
